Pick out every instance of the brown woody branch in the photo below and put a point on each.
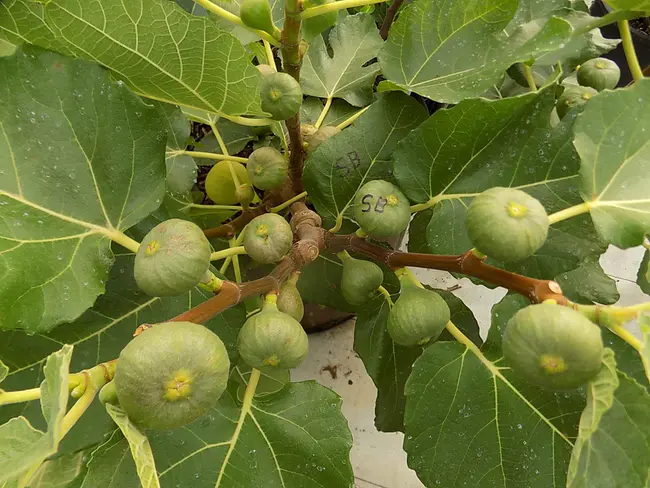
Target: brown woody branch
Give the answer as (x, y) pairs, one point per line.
(311, 238)
(467, 264)
(390, 16)
(292, 62)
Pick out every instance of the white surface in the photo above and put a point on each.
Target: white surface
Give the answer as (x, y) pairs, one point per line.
(377, 458)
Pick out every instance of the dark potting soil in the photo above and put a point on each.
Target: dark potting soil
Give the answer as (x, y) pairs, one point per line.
(642, 24)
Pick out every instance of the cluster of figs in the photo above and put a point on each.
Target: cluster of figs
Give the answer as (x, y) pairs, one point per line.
(172, 373)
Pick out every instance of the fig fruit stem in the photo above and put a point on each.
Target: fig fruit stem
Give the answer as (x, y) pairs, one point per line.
(208, 155)
(20, 396)
(222, 144)
(123, 240)
(93, 381)
(350, 120)
(235, 259)
(231, 251)
(230, 17)
(334, 6)
(269, 54)
(288, 203)
(567, 213)
(386, 295)
(530, 78)
(323, 113)
(628, 49)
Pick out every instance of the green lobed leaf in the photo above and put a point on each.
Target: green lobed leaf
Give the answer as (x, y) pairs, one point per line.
(181, 168)
(156, 47)
(24, 447)
(81, 160)
(354, 42)
(613, 443)
(449, 51)
(294, 438)
(24, 21)
(343, 163)
(638, 5)
(99, 335)
(644, 325)
(588, 283)
(271, 381)
(643, 275)
(139, 446)
(612, 136)
(469, 423)
(461, 152)
(58, 472)
(389, 364)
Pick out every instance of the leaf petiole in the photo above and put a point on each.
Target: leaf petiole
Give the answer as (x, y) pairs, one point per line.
(530, 78)
(234, 19)
(628, 48)
(350, 120)
(567, 213)
(9, 397)
(334, 6)
(208, 155)
(323, 113)
(286, 204)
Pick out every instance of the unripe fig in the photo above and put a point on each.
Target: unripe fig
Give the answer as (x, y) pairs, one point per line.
(418, 315)
(171, 374)
(267, 168)
(219, 184)
(272, 338)
(172, 258)
(257, 15)
(360, 279)
(553, 346)
(289, 299)
(599, 74)
(381, 209)
(268, 238)
(576, 96)
(281, 95)
(506, 224)
(245, 195)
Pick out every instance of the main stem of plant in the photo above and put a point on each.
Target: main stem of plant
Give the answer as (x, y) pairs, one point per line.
(291, 63)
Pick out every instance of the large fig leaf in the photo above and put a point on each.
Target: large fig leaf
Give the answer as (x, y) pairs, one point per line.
(643, 275)
(613, 444)
(458, 153)
(156, 47)
(343, 163)
(354, 42)
(23, 448)
(389, 364)
(81, 160)
(612, 136)
(99, 335)
(294, 438)
(469, 423)
(449, 51)
(181, 168)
